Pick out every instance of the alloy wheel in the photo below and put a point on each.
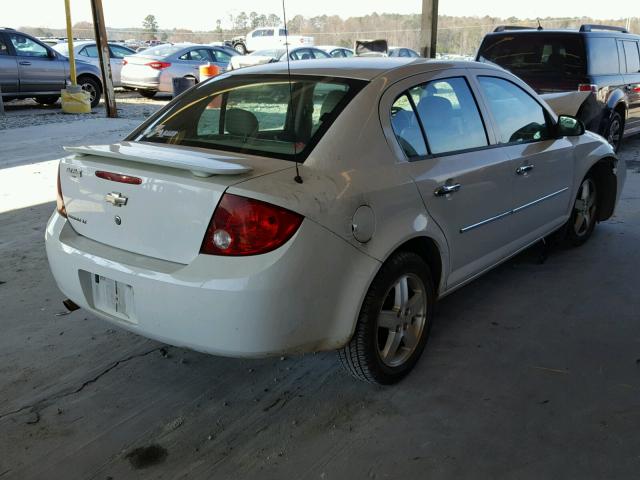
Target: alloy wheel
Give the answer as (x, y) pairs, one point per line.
(89, 88)
(401, 321)
(585, 207)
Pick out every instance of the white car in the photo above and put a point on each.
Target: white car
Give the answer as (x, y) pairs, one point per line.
(267, 214)
(265, 38)
(87, 51)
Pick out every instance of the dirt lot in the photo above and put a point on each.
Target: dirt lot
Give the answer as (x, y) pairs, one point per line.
(532, 371)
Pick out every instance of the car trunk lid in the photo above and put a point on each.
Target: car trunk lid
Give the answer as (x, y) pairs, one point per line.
(153, 200)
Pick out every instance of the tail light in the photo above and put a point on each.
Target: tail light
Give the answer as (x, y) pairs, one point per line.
(586, 87)
(124, 62)
(158, 65)
(243, 226)
(59, 199)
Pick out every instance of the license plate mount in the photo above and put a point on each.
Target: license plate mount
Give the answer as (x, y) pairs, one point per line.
(113, 297)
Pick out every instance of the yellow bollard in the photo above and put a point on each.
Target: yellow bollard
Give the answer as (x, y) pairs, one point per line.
(74, 99)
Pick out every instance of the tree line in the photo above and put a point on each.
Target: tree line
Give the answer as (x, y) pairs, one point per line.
(456, 35)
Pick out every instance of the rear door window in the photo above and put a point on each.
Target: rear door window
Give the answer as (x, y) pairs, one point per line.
(602, 56)
(518, 117)
(4, 50)
(447, 113)
(632, 56)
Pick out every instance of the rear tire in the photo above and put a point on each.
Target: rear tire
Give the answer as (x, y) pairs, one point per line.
(240, 48)
(147, 93)
(615, 131)
(50, 100)
(394, 322)
(93, 87)
(584, 214)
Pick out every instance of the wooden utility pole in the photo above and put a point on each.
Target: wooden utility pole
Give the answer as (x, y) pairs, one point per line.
(100, 31)
(429, 28)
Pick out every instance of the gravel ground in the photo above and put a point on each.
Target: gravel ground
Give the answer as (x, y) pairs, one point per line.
(25, 113)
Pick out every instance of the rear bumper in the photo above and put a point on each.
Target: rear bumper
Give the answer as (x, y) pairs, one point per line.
(155, 86)
(302, 297)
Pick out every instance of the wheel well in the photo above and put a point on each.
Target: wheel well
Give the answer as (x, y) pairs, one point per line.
(92, 77)
(607, 186)
(428, 250)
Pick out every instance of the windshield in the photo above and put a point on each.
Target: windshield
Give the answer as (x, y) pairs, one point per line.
(262, 115)
(536, 53)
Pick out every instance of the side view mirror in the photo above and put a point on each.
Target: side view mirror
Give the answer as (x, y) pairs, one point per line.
(569, 126)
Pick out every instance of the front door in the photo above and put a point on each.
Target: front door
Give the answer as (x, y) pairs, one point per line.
(541, 166)
(39, 68)
(466, 185)
(8, 68)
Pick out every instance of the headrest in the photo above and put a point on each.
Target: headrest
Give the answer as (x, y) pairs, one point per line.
(241, 122)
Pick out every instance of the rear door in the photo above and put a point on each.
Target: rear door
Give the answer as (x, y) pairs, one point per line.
(190, 62)
(541, 166)
(466, 185)
(8, 67)
(220, 58)
(631, 76)
(39, 68)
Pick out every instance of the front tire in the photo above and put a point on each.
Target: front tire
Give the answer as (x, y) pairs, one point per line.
(584, 214)
(240, 48)
(147, 93)
(93, 87)
(394, 322)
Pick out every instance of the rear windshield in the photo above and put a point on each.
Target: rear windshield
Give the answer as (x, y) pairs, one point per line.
(536, 53)
(161, 51)
(262, 115)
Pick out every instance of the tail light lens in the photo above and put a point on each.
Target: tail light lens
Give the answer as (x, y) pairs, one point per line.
(586, 87)
(158, 65)
(59, 199)
(243, 226)
(124, 62)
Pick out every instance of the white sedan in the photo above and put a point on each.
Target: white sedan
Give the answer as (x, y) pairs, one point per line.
(264, 213)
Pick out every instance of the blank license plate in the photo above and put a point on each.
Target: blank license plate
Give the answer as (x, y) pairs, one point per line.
(114, 298)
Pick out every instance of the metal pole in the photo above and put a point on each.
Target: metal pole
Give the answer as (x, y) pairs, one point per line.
(100, 31)
(1, 102)
(72, 60)
(429, 28)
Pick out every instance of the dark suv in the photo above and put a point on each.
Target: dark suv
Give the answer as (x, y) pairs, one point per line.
(31, 69)
(600, 59)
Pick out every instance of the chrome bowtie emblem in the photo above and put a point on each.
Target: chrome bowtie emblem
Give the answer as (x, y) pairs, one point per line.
(116, 199)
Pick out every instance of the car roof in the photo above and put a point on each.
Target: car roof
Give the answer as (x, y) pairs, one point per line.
(558, 31)
(359, 68)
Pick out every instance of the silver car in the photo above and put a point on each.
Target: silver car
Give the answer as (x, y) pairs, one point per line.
(153, 70)
(87, 51)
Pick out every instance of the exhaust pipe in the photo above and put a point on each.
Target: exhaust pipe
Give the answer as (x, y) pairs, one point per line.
(70, 305)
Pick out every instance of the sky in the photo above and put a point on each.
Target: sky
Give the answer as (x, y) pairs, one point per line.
(202, 14)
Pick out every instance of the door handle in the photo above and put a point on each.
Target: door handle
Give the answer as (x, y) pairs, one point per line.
(524, 169)
(25, 62)
(443, 190)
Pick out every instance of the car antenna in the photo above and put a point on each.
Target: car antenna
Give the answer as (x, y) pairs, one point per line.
(539, 25)
(297, 178)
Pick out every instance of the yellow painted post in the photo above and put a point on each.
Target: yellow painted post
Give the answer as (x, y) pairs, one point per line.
(72, 60)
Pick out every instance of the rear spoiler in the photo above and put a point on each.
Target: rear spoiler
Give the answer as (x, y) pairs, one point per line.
(200, 164)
